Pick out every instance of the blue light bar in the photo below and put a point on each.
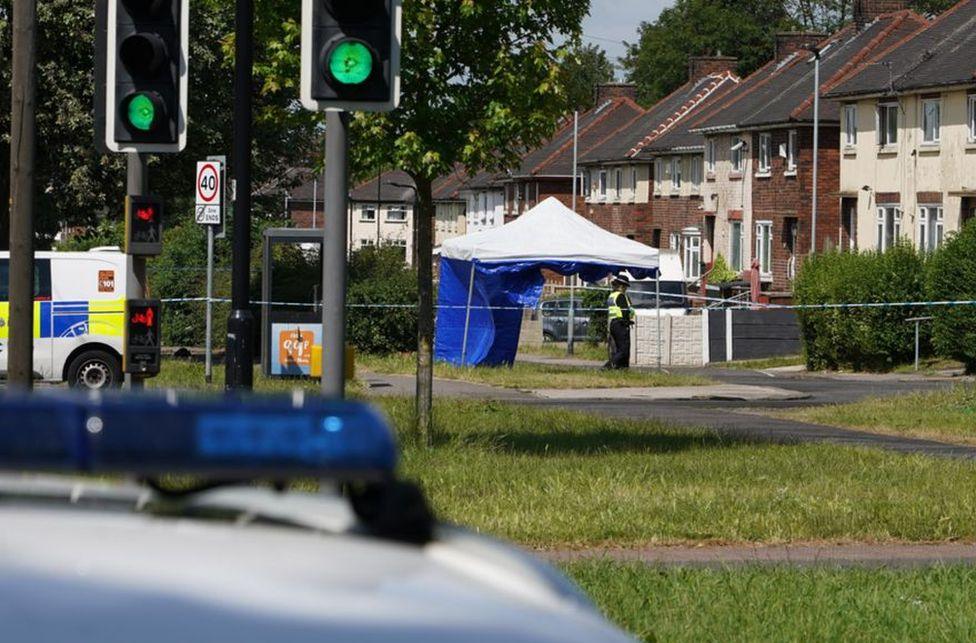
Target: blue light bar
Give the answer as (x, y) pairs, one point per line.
(225, 438)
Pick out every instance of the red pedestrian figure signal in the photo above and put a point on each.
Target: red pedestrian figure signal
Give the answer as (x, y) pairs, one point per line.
(146, 214)
(144, 318)
(142, 340)
(143, 226)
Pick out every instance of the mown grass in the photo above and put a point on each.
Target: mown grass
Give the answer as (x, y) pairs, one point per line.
(524, 375)
(944, 415)
(184, 374)
(783, 604)
(760, 364)
(581, 350)
(551, 478)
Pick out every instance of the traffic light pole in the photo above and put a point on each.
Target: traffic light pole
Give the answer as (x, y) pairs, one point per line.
(137, 184)
(334, 255)
(20, 359)
(240, 325)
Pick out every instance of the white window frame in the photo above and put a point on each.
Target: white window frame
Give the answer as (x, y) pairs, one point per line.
(633, 183)
(765, 154)
(675, 173)
(603, 184)
(736, 239)
(710, 149)
(764, 247)
(674, 241)
(618, 184)
(658, 175)
(850, 125)
(931, 227)
(697, 163)
(390, 211)
(888, 219)
(368, 208)
(887, 137)
(971, 110)
(935, 136)
(736, 156)
(791, 139)
(587, 184)
(691, 253)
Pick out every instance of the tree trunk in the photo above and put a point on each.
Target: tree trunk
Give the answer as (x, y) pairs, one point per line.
(423, 251)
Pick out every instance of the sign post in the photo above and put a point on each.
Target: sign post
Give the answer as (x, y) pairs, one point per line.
(209, 212)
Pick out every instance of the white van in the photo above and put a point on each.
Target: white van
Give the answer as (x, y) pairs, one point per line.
(674, 290)
(79, 314)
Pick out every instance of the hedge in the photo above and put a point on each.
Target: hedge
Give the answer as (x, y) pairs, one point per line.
(951, 276)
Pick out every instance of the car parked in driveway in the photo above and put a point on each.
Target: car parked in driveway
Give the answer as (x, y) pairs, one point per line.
(555, 320)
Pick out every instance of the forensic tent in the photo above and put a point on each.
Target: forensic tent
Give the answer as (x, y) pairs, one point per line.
(487, 278)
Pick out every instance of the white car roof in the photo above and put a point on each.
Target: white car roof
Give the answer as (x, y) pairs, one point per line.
(71, 572)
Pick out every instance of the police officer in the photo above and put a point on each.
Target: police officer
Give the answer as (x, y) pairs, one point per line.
(621, 316)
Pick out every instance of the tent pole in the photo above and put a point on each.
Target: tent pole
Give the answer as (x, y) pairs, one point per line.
(657, 304)
(467, 317)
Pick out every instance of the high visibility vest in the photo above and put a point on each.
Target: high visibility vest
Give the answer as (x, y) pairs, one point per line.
(615, 310)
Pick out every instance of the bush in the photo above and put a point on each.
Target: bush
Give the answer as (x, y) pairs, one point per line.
(951, 276)
(379, 276)
(859, 338)
(721, 273)
(595, 300)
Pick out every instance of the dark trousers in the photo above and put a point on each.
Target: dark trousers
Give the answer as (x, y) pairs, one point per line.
(619, 344)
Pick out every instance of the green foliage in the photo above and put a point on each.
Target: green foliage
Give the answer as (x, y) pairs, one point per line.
(107, 232)
(952, 277)
(584, 67)
(595, 300)
(721, 272)
(859, 338)
(378, 276)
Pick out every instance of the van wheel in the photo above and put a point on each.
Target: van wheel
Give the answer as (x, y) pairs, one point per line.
(95, 370)
(548, 337)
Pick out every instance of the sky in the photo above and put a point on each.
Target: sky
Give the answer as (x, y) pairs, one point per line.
(611, 22)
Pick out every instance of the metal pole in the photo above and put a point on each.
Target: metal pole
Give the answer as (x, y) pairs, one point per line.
(315, 196)
(816, 147)
(137, 184)
(208, 358)
(20, 364)
(657, 305)
(467, 316)
(334, 255)
(917, 323)
(239, 362)
(570, 335)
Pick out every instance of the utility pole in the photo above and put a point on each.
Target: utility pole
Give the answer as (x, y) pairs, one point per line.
(570, 333)
(816, 147)
(240, 324)
(20, 362)
(334, 256)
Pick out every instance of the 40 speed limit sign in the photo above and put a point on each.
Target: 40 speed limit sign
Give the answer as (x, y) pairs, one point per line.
(209, 192)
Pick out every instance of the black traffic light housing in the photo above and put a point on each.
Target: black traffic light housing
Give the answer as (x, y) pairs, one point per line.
(351, 54)
(143, 226)
(141, 343)
(142, 75)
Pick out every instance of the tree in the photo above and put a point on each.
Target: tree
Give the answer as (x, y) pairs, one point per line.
(585, 67)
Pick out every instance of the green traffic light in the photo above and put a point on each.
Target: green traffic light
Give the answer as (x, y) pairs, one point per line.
(142, 112)
(350, 62)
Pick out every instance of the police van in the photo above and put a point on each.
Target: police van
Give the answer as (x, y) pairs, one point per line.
(79, 314)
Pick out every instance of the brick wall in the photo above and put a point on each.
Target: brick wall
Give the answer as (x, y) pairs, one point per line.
(301, 215)
(788, 42)
(700, 66)
(606, 91)
(681, 340)
(560, 188)
(867, 10)
(626, 219)
(779, 198)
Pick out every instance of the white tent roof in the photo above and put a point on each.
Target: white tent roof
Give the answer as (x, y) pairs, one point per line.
(550, 232)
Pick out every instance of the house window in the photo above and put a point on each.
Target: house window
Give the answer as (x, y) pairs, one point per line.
(972, 117)
(365, 243)
(791, 151)
(850, 125)
(696, 172)
(674, 241)
(765, 143)
(367, 213)
(396, 215)
(603, 183)
(675, 172)
(658, 175)
(931, 120)
(586, 184)
(691, 252)
(736, 154)
(735, 245)
(792, 232)
(616, 184)
(887, 123)
(930, 227)
(889, 225)
(710, 156)
(633, 183)
(764, 247)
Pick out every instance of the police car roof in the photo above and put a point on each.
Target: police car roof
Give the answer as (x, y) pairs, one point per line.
(76, 564)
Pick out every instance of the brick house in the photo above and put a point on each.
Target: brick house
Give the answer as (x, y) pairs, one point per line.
(759, 148)
(908, 156)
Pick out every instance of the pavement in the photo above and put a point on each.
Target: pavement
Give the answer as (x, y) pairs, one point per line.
(898, 555)
(741, 392)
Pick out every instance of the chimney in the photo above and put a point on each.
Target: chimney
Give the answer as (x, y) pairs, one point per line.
(866, 11)
(701, 66)
(791, 41)
(606, 91)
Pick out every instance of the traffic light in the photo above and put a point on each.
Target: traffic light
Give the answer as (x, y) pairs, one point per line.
(351, 55)
(143, 226)
(141, 343)
(142, 75)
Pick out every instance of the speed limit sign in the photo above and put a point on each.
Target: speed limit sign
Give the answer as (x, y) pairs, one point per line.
(209, 192)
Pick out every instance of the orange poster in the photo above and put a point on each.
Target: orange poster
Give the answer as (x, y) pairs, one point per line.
(295, 347)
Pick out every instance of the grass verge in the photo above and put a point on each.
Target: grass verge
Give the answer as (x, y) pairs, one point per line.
(783, 604)
(581, 350)
(943, 415)
(524, 375)
(183, 374)
(760, 364)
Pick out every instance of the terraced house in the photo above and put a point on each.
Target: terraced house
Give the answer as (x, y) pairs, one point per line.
(759, 162)
(908, 136)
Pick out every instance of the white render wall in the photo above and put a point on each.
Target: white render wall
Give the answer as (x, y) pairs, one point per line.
(484, 209)
(724, 191)
(682, 340)
(364, 232)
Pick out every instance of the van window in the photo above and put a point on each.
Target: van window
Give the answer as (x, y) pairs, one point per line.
(42, 279)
